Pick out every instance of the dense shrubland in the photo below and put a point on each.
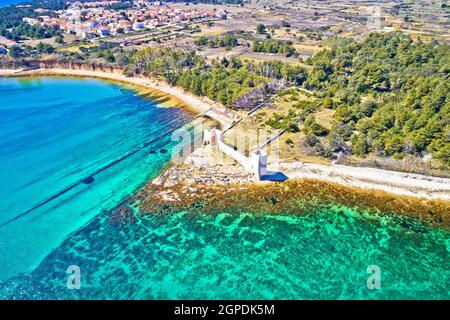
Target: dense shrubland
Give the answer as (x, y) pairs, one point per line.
(228, 41)
(275, 46)
(225, 81)
(391, 92)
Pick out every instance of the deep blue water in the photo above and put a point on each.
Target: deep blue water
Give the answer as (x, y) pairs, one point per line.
(4, 3)
(54, 134)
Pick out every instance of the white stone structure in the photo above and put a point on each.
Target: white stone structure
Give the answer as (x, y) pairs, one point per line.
(256, 164)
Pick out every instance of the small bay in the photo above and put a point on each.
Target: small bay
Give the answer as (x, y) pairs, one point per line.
(73, 144)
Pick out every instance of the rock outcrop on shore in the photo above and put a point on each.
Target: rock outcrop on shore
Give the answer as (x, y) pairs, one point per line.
(203, 167)
(207, 181)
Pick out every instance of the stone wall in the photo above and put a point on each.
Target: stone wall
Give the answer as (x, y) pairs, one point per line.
(256, 164)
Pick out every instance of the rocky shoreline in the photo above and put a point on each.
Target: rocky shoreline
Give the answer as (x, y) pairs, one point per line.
(206, 182)
(206, 168)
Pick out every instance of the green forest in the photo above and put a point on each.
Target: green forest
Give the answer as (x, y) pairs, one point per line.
(275, 46)
(228, 41)
(391, 94)
(224, 81)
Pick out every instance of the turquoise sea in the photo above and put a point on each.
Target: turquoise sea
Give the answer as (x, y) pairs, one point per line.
(57, 133)
(4, 3)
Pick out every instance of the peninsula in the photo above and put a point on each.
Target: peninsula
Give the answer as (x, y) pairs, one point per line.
(227, 149)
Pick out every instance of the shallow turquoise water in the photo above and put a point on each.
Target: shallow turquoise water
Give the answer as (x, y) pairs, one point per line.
(243, 256)
(57, 132)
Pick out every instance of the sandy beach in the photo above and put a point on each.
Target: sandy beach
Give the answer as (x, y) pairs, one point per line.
(194, 103)
(201, 168)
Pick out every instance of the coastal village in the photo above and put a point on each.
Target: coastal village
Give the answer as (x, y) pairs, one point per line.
(97, 19)
(306, 24)
(100, 19)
